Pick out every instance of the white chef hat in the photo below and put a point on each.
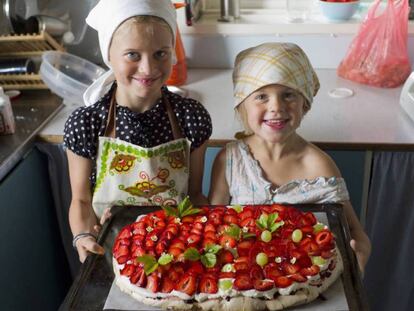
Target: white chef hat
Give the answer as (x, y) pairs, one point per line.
(107, 15)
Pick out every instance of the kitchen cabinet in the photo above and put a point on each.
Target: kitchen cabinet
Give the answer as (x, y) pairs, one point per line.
(34, 272)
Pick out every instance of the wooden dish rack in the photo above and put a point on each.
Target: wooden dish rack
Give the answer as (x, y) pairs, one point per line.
(25, 46)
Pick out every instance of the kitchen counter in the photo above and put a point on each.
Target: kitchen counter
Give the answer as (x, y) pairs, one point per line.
(32, 110)
(370, 119)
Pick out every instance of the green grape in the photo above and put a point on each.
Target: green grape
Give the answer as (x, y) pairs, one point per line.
(225, 284)
(318, 260)
(318, 227)
(297, 235)
(266, 236)
(228, 267)
(261, 259)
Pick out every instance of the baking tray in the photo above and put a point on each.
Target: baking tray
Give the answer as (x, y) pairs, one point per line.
(91, 287)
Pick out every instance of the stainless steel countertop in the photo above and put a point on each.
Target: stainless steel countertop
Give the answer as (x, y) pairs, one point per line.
(32, 111)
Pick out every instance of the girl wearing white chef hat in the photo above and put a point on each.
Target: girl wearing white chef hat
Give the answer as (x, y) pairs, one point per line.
(274, 86)
(134, 142)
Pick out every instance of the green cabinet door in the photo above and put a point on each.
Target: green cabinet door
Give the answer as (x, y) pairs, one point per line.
(34, 273)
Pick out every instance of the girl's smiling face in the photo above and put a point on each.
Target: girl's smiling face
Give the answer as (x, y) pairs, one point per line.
(140, 55)
(274, 112)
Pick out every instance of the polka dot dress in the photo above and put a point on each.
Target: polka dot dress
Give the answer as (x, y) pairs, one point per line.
(147, 129)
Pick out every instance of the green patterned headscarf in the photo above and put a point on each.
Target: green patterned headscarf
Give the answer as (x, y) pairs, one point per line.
(273, 63)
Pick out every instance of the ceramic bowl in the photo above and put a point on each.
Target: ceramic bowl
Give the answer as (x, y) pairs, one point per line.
(338, 11)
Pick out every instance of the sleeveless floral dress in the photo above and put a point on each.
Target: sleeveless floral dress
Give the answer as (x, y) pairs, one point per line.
(247, 184)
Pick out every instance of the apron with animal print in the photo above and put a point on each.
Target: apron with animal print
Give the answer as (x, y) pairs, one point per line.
(127, 174)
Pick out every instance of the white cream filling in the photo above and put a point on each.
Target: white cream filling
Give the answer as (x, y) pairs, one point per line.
(232, 292)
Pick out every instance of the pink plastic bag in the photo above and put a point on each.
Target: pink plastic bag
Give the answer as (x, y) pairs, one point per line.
(378, 54)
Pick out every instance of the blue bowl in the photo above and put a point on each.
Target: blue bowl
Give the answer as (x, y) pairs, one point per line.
(338, 11)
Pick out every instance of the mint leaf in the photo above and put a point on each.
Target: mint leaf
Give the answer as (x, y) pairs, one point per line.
(192, 254)
(212, 248)
(209, 260)
(184, 205)
(237, 208)
(190, 212)
(262, 221)
(234, 231)
(271, 219)
(165, 259)
(150, 264)
(170, 211)
(276, 226)
(247, 235)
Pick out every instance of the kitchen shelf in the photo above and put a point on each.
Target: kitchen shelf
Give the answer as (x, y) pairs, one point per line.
(25, 46)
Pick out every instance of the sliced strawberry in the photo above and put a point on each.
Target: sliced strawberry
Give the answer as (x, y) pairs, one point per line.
(210, 235)
(176, 243)
(227, 241)
(196, 231)
(173, 228)
(195, 268)
(225, 256)
(248, 222)
(167, 284)
(208, 285)
(128, 270)
(168, 235)
(230, 211)
(221, 229)
(281, 209)
(310, 247)
(187, 284)
(323, 237)
(122, 250)
(309, 219)
(230, 219)
(149, 244)
(175, 251)
(160, 247)
(241, 265)
(227, 275)
(282, 281)
(207, 242)
(297, 277)
(289, 268)
(263, 285)
(125, 233)
(174, 275)
(152, 282)
(309, 271)
(307, 229)
(210, 228)
(246, 213)
(188, 219)
(122, 259)
(137, 251)
(327, 254)
(138, 238)
(243, 282)
(160, 214)
(304, 261)
(272, 269)
(243, 248)
(198, 225)
(193, 240)
(216, 218)
(139, 278)
(256, 273)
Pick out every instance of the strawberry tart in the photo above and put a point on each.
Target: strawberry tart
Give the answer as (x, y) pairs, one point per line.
(265, 257)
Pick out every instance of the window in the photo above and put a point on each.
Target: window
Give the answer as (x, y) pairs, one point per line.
(256, 4)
